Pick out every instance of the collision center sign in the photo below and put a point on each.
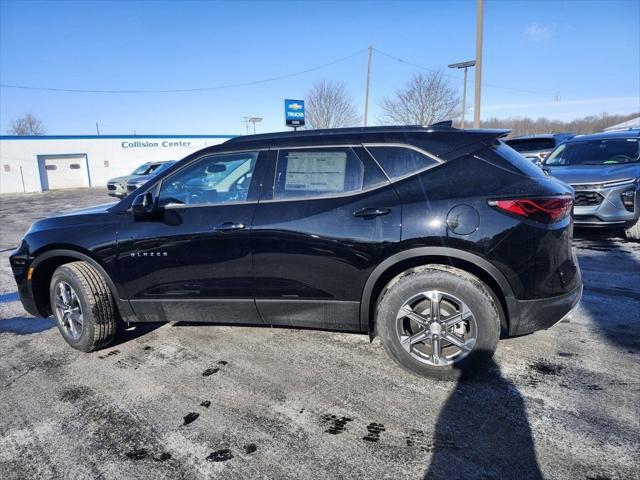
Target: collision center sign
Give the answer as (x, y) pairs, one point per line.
(294, 113)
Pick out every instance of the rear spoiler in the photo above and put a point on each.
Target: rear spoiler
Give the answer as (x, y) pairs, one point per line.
(487, 136)
(474, 141)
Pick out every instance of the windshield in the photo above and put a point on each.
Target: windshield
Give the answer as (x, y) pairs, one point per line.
(595, 152)
(143, 169)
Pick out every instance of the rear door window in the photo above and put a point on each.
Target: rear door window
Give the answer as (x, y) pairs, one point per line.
(317, 172)
(400, 161)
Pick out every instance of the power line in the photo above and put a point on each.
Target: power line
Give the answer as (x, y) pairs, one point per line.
(458, 78)
(186, 90)
(265, 80)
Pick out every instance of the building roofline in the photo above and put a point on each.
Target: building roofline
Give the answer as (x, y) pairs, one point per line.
(106, 137)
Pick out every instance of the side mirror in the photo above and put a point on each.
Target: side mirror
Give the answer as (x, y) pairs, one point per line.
(143, 205)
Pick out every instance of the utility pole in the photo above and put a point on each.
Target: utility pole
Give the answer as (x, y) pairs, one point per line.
(97, 128)
(464, 65)
(366, 95)
(476, 98)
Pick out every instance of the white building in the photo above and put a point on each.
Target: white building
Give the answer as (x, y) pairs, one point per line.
(35, 164)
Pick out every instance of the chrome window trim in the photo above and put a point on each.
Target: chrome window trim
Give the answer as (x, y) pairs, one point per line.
(404, 145)
(340, 145)
(177, 206)
(376, 186)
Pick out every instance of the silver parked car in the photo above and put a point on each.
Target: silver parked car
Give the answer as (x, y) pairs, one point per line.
(117, 187)
(604, 171)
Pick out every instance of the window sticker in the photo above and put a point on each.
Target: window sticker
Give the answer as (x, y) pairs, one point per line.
(316, 171)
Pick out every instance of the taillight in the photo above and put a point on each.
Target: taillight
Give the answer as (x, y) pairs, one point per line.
(543, 209)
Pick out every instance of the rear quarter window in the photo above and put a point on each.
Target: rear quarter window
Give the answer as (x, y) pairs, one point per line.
(400, 161)
(513, 159)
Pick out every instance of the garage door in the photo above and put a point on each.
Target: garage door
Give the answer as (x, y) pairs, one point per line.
(64, 171)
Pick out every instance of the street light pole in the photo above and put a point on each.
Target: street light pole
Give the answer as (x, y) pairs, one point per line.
(366, 95)
(254, 120)
(476, 99)
(464, 65)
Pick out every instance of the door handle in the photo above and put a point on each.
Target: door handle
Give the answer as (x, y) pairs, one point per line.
(371, 212)
(229, 227)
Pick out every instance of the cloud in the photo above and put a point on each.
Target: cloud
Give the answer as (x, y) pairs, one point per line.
(536, 32)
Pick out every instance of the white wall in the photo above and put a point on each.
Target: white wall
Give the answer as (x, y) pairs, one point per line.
(123, 155)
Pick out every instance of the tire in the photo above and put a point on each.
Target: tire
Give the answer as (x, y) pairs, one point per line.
(458, 292)
(633, 232)
(83, 306)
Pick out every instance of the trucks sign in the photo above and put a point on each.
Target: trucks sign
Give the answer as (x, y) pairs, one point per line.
(294, 113)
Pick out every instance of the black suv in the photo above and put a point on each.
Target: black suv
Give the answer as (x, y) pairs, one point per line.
(436, 239)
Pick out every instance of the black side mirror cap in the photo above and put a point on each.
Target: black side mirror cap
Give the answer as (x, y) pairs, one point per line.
(143, 205)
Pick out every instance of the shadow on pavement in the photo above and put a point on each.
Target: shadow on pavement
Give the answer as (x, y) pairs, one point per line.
(610, 267)
(26, 325)
(483, 432)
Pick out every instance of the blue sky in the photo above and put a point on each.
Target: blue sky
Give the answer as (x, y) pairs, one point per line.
(588, 52)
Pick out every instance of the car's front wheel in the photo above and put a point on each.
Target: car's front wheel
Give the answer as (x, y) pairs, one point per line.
(438, 321)
(83, 306)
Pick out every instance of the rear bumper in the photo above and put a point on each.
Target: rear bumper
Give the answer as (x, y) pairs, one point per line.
(527, 316)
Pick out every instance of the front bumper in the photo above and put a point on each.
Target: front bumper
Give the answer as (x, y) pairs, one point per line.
(603, 207)
(527, 316)
(20, 263)
(118, 190)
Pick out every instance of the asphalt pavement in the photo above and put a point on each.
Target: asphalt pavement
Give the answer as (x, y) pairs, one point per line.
(185, 401)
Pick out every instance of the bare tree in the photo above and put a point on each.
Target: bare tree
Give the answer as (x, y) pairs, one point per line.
(27, 124)
(426, 99)
(530, 126)
(328, 104)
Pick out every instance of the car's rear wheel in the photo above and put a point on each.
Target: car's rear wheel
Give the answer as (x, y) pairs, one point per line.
(83, 306)
(438, 321)
(633, 232)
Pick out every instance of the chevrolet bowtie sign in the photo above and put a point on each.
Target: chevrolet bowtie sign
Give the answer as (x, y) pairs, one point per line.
(294, 113)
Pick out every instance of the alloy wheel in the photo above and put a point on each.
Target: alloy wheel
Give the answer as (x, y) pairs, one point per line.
(436, 328)
(68, 310)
